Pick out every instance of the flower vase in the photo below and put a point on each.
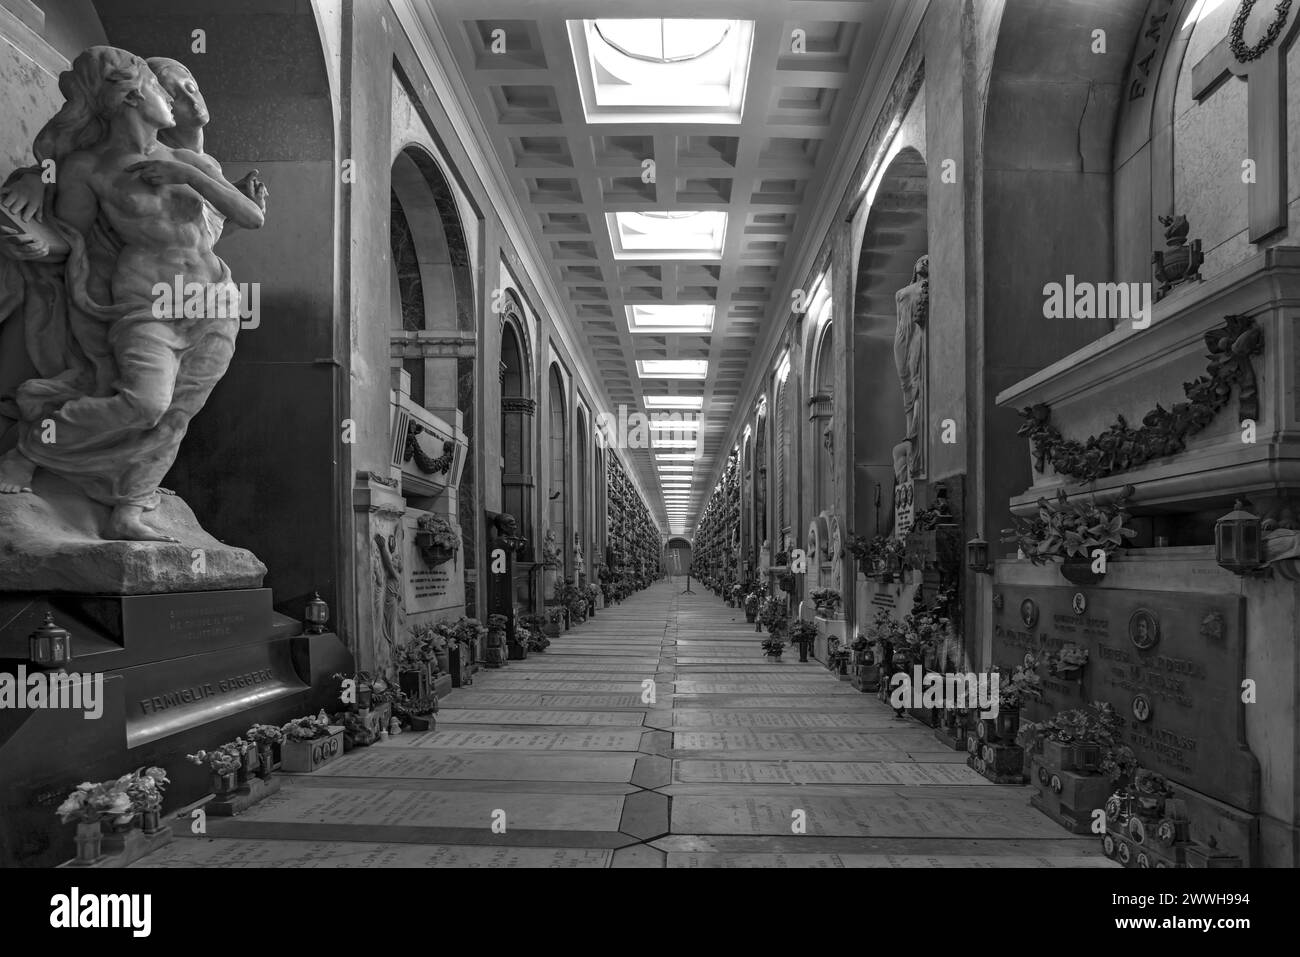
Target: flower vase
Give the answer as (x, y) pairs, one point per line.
(150, 820)
(90, 839)
(247, 767)
(223, 784)
(1008, 723)
(264, 763)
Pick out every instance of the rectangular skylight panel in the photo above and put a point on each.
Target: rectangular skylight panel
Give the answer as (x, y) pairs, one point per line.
(672, 368)
(688, 318)
(676, 402)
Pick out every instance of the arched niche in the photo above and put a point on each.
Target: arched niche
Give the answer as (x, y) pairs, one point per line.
(268, 90)
(894, 237)
(430, 275)
(518, 412)
(557, 489)
(821, 375)
(581, 491)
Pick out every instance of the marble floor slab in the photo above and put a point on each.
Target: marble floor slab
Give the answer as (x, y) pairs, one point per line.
(586, 774)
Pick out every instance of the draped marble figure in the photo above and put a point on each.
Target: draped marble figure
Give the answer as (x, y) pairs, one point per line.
(139, 206)
(913, 305)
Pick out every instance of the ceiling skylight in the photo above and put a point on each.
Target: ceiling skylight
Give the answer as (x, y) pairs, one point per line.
(676, 468)
(675, 457)
(673, 424)
(668, 234)
(676, 402)
(665, 70)
(672, 368)
(674, 318)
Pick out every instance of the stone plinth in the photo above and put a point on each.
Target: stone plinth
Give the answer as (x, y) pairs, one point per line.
(51, 540)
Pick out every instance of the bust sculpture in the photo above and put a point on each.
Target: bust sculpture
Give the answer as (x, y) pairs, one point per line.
(913, 307)
(140, 207)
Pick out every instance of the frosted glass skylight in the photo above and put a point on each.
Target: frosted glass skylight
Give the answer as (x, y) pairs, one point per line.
(676, 402)
(668, 234)
(672, 368)
(662, 70)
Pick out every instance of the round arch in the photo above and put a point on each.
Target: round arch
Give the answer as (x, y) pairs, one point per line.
(894, 238)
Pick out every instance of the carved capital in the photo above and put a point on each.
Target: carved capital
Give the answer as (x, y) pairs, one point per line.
(518, 403)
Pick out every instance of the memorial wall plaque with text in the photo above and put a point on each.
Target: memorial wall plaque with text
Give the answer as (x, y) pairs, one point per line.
(1170, 662)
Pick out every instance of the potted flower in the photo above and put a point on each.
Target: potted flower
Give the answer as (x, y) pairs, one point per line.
(1014, 689)
(418, 713)
(266, 738)
(437, 539)
(1068, 661)
(803, 634)
(773, 647)
(1072, 533)
(751, 606)
(90, 805)
(411, 659)
(827, 601)
(223, 766)
(1075, 739)
(496, 640)
(554, 618)
(310, 742)
(145, 788)
(247, 752)
(593, 597)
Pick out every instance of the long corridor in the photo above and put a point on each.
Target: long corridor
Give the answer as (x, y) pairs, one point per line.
(655, 734)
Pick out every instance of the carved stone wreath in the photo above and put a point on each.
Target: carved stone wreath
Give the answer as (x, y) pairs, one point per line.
(1237, 29)
(1164, 431)
(425, 462)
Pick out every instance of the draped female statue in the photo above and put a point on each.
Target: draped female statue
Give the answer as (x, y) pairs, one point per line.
(119, 378)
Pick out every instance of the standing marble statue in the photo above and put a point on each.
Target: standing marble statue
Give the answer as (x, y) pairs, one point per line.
(140, 207)
(913, 305)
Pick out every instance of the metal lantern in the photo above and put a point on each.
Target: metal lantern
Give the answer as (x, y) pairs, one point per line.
(49, 645)
(316, 615)
(977, 555)
(1239, 540)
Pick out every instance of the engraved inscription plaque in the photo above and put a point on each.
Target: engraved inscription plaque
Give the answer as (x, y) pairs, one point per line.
(1176, 690)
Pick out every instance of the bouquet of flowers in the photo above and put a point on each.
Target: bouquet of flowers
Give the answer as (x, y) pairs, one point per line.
(92, 803)
(265, 735)
(1069, 658)
(145, 788)
(227, 759)
(307, 729)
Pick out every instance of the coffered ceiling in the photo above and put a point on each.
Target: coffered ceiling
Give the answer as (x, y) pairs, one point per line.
(583, 134)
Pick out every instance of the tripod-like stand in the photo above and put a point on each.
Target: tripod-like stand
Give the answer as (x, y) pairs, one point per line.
(687, 589)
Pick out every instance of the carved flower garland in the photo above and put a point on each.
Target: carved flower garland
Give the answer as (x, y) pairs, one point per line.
(1164, 431)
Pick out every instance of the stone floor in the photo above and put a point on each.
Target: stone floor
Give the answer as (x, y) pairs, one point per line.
(562, 756)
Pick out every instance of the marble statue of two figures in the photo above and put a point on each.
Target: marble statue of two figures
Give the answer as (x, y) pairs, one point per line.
(123, 201)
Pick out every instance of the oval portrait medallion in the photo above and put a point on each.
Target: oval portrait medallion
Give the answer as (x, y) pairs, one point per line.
(1144, 628)
(1029, 612)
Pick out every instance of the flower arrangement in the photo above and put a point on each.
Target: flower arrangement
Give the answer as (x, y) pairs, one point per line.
(307, 729)
(555, 615)
(751, 602)
(93, 803)
(1019, 685)
(419, 707)
(265, 735)
(876, 555)
(497, 623)
(145, 788)
(227, 759)
(1098, 724)
(442, 533)
(803, 632)
(773, 647)
(826, 600)
(1068, 529)
(1070, 657)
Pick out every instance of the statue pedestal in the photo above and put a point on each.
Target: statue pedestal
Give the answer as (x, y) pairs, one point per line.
(181, 672)
(53, 542)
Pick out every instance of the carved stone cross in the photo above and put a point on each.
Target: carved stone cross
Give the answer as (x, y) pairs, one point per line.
(1265, 110)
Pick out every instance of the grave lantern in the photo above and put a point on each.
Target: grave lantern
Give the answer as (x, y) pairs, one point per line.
(49, 645)
(316, 615)
(1239, 540)
(977, 555)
